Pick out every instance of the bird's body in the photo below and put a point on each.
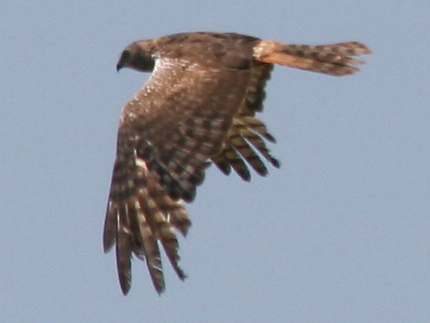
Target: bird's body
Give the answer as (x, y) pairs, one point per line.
(197, 108)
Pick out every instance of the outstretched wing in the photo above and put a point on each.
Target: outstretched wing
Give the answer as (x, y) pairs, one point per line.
(247, 137)
(168, 131)
(248, 134)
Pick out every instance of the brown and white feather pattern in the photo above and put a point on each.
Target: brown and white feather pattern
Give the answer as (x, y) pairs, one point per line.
(198, 107)
(246, 138)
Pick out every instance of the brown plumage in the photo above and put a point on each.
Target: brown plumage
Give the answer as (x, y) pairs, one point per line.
(199, 107)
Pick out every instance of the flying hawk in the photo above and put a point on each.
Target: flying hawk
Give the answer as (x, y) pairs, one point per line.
(198, 107)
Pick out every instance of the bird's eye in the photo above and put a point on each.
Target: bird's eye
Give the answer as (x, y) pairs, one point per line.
(125, 57)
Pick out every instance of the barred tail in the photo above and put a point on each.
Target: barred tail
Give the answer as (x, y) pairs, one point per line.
(333, 59)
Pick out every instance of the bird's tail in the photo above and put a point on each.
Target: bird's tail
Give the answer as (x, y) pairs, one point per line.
(333, 59)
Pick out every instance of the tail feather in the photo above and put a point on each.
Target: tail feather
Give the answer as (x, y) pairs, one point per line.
(333, 59)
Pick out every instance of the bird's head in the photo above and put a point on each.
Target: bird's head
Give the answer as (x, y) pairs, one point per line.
(138, 56)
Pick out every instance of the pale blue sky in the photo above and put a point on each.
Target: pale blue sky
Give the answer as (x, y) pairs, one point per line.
(341, 233)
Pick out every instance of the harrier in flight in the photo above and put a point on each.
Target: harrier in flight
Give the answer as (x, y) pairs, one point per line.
(198, 108)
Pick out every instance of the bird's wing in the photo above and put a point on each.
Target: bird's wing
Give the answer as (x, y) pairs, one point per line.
(247, 137)
(168, 131)
(248, 134)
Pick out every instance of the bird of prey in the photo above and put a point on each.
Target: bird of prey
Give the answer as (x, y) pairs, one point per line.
(198, 108)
